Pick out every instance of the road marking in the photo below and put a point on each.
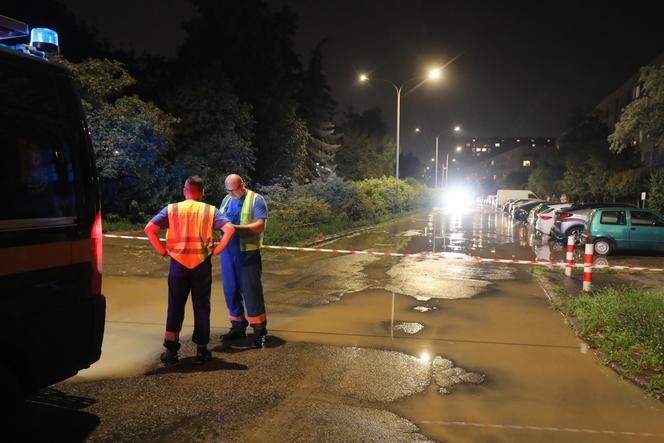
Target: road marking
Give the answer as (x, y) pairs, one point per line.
(538, 428)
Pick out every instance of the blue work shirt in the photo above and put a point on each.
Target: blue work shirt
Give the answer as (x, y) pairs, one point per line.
(233, 212)
(161, 219)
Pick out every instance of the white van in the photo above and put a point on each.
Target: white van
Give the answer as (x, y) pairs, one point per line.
(512, 194)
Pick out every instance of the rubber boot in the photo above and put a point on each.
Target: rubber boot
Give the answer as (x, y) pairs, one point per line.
(202, 354)
(237, 331)
(170, 356)
(260, 334)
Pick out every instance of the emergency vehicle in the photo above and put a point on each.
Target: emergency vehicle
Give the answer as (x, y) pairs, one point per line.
(52, 309)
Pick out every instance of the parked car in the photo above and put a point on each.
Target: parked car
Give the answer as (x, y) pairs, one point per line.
(502, 195)
(521, 211)
(511, 208)
(610, 229)
(547, 217)
(507, 204)
(572, 220)
(543, 206)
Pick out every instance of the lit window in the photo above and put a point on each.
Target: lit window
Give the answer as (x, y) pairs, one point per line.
(483, 149)
(492, 162)
(497, 145)
(494, 176)
(518, 140)
(526, 163)
(533, 145)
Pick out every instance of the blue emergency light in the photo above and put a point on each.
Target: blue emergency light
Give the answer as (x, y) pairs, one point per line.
(44, 39)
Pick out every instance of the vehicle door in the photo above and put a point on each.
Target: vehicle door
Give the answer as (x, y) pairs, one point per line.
(646, 230)
(611, 224)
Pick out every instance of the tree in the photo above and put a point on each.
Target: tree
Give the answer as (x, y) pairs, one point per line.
(656, 191)
(251, 47)
(514, 180)
(131, 137)
(644, 116)
(544, 181)
(214, 135)
(624, 184)
(574, 181)
(317, 109)
(366, 150)
(410, 166)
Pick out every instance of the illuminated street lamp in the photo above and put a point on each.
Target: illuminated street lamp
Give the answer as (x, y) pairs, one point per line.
(434, 74)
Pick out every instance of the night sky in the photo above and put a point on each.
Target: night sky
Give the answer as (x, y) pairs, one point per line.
(522, 67)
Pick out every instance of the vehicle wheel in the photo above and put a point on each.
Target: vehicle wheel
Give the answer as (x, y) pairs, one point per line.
(576, 232)
(603, 246)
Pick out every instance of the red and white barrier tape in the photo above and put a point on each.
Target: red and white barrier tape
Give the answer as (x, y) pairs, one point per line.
(428, 256)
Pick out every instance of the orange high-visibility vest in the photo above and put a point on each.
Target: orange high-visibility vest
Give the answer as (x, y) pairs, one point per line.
(189, 238)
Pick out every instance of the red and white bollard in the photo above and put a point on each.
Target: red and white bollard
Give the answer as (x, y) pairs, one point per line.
(588, 268)
(569, 257)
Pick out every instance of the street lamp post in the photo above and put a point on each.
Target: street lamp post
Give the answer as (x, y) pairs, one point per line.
(446, 170)
(434, 74)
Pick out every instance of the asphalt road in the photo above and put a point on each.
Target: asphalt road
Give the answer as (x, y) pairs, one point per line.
(361, 348)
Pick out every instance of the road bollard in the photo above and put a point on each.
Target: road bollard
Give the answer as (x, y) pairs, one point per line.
(569, 257)
(587, 268)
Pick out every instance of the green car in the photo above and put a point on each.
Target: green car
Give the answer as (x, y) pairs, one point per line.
(610, 229)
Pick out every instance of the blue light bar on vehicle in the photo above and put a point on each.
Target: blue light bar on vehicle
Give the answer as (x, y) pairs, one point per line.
(44, 39)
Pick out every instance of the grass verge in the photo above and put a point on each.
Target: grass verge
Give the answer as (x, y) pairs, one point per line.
(626, 325)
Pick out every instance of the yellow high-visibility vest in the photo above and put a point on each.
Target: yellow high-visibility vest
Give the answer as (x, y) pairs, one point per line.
(189, 239)
(249, 241)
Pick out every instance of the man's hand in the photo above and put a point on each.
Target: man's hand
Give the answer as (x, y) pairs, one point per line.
(257, 226)
(228, 230)
(151, 231)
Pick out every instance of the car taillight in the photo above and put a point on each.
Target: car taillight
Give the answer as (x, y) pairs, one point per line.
(97, 254)
(564, 215)
(546, 217)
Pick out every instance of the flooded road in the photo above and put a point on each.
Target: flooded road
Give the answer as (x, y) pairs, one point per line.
(367, 348)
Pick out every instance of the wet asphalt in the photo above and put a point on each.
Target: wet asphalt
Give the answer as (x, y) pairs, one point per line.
(361, 348)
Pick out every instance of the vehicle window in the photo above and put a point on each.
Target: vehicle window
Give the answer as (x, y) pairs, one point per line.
(532, 196)
(643, 218)
(38, 151)
(613, 218)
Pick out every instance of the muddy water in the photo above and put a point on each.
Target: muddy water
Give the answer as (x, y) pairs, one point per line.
(515, 373)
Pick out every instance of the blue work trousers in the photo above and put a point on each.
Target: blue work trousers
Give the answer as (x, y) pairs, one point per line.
(182, 280)
(241, 273)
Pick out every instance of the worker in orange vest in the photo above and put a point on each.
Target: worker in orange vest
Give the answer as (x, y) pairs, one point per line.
(189, 243)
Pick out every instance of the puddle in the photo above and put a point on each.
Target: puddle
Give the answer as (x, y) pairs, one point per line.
(405, 327)
(446, 375)
(424, 308)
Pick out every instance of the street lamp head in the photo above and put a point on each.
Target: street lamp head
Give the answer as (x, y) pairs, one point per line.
(458, 148)
(457, 128)
(364, 78)
(418, 130)
(434, 74)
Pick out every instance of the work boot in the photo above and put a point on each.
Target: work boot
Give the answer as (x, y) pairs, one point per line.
(237, 331)
(202, 354)
(170, 356)
(260, 334)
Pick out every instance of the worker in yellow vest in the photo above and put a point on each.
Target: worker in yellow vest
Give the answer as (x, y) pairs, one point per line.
(189, 243)
(241, 262)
